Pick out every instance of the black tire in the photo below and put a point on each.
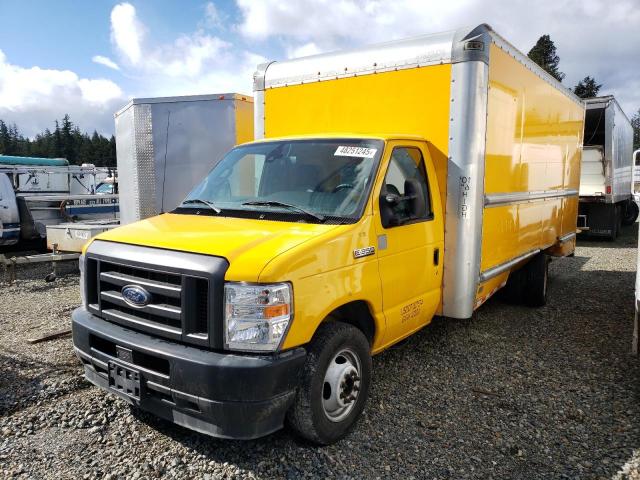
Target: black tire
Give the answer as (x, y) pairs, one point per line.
(536, 274)
(513, 291)
(308, 417)
(630, 213)
(616, 224)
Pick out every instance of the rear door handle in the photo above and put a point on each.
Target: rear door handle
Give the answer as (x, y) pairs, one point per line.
(436, 256)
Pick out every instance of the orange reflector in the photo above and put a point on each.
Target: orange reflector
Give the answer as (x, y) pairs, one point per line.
(274, 311)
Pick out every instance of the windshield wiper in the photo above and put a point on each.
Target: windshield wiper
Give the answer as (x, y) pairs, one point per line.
(204, 202)
(275, 203)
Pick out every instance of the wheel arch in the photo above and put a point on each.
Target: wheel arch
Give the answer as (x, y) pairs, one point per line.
(357, 313)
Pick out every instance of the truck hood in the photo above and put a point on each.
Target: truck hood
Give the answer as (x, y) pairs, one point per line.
(247, 244)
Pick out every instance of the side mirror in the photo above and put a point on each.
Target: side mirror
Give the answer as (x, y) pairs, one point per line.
(416, 197)
(388, 215)
(397, 209)
(391, 198)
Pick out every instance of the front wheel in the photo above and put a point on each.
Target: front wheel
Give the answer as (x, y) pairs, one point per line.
(334, 384)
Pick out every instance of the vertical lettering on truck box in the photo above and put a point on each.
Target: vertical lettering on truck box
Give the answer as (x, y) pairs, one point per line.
(463, 196)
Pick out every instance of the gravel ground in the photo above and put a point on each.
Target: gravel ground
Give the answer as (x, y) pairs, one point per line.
(513, 393)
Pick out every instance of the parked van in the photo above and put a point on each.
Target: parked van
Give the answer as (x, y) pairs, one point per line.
(390, 184)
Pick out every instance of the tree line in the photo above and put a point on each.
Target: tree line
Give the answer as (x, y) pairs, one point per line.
(544, 53)
(65, 141)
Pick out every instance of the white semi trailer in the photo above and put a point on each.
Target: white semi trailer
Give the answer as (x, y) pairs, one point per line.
(606, 200)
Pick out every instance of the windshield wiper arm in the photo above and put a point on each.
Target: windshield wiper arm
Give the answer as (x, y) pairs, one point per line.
(204, 202)
(275, 203)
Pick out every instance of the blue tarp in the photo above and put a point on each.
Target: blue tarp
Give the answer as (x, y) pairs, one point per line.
(41, 162)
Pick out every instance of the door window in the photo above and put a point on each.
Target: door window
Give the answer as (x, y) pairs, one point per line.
(405, 193)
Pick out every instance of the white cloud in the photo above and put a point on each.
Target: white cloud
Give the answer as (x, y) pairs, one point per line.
(593, 37)
(212, 16)
(106, 61)
(34, 97)
(194, 63)
(100, 91)
(236, 77)
(305, 50)
(187, 56)
(335, 22)
(126, 32)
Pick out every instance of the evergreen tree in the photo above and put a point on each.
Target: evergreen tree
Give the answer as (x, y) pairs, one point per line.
(544, 54)
(635, 123)
(4, 138)
(587, 87)
(66, 141)
(58, 147)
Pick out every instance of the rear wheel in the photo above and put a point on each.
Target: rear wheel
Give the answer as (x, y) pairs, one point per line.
(615, 223)
(513, 291)
(334, 384)
(630, 213)
(528, 285)
(536, 279)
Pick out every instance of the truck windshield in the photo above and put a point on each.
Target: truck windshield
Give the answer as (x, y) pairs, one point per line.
(310, 180)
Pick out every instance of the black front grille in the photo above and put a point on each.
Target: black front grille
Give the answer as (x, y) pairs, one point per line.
(186, 291)
(179, 306)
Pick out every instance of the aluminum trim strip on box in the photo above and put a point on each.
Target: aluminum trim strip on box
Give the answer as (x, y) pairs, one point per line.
(503, 267)
(567, 237)
(500, 199)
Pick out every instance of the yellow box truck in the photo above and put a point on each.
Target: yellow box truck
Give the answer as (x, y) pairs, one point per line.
(392, 183)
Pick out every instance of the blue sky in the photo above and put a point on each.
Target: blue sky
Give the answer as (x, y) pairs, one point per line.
(87, 58)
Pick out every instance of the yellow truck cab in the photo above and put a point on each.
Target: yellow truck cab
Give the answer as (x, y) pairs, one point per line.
(389, 184)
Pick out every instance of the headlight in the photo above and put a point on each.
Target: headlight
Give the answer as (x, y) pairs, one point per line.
(256, 316)
(83, 296)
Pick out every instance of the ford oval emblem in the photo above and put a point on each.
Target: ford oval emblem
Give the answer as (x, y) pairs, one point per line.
(135, 295)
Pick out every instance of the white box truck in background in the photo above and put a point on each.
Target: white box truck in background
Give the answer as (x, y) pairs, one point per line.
(606, 200)
(166, 145)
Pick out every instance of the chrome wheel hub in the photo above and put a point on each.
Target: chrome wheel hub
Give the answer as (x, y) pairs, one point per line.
(341, 385)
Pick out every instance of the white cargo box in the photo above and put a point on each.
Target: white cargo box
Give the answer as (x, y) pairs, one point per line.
(166, 146)
(607, 128)
(71, 237)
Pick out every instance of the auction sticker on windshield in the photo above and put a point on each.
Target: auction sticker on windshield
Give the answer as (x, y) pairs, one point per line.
(362, 152)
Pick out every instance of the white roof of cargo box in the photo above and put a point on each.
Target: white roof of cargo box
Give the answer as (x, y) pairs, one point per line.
(603, 102)
(185, 98)
(438, 48)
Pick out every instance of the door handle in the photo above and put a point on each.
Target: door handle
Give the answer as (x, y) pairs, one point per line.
(436, 256)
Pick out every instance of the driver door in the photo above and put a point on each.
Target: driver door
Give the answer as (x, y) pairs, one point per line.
(409, 225)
